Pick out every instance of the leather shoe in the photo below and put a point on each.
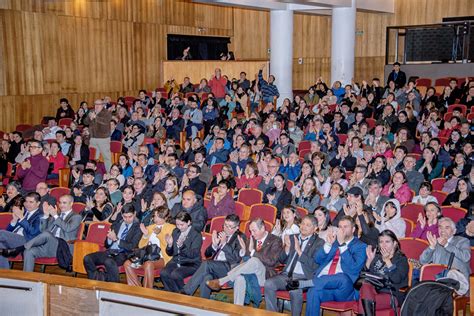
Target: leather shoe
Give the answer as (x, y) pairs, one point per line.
(10, 253)
(213, 284)
(292, 285)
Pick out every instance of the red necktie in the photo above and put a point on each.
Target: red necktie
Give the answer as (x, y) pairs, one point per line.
(335, 260)
(259, 245)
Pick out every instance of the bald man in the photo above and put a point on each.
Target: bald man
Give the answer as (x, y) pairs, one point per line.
(99, 127)
(193, 205)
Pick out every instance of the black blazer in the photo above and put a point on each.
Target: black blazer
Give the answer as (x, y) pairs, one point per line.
(131, 240)
(307, 261)
(190, 252)
(231, 249)
(84, 154)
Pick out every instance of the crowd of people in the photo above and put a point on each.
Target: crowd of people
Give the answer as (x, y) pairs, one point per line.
(350, 156)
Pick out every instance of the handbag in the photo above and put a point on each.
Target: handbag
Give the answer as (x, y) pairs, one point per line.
(378, 281)
(150, 252)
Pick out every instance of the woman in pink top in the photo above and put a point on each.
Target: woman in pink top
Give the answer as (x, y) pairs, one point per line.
(427, 222)
(398, 188)
(251, 179)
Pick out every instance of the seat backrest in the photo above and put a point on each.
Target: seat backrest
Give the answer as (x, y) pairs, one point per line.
(206, 241)
(5, 219)
(266, 212)
(78, 207)
(216, 168)
(115, 146)
(411, 210)
(250, 196)
(409, 226)
(440, 196)
(305, 144)
(438, 183)
(245, 227)
(472, 260)
(454, 213)
(97, 232)
(429, 271)
(58, 192)
(302, 211)
(217, 224)
(240, 209)
(413, 247)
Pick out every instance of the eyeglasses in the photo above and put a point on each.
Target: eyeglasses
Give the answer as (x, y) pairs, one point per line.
(229, 226)
(34, 147)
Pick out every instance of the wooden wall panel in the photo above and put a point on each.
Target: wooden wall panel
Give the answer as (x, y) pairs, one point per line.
(84, 49)
(251, 38)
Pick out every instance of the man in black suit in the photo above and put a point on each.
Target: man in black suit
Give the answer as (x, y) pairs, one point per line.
(223, 255)
(298, 255)
(121, 240)
(192, 182)
(397, 76)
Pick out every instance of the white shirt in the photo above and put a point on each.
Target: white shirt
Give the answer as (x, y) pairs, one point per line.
(298, 268)
(58, 231)
(342, 249)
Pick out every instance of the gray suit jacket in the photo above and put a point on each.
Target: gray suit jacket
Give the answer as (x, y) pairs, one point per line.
(462, 255)
(69, 226)
(308, 264)
(379, 205)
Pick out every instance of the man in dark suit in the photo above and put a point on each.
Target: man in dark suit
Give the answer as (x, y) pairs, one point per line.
(192, 204)
(298, 255)
(43, 190)
(340, 262)
(191, 180)
(25, 225)
(122, 238)
(53, 225)
(264, 251)
(223, 255)
(397, 76)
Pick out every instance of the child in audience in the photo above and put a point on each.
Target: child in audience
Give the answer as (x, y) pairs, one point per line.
(424, 196)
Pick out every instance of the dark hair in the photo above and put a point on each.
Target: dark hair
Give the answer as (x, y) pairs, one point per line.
(107, 196)
(128, 209)
(128, 187)
(438, 208)
(225, 182)
(427, 185)
(297, 220)
(233, 218)
(34, 195)
(89, 172)
(349, 219)
(184, 217)
(392, 236)
(325, 211)
(63, 100)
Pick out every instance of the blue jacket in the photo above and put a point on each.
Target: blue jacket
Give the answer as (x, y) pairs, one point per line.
(269, 90)
(292, 172)
(221, 157)
(352, 260)
(31, 227)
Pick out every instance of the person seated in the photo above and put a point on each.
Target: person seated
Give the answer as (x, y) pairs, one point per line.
(153, 234)
(34, 169)
(429, 165)
(193, 118)
(288, 223)
(291, 166)
(388, 261)
(340, 262)
(398, 188)
(184, 246)
(11, 198)
(240, 159)
(284, 147)
(134, 138)
(43, 190)
(465, 227)
(358, 179)
(24, 226)
(99, 208)
(192, 182)
(378, 170)
(53, 226)
(223, 254)
(174, 124)
(374, 200)
(78, 152)
(217, 153)
(463, 196)
(113, 186)
(390, 218)
(225, 174)
(64, 145)
(122, 238)
(414, 178)
(425, 196)
(56, 159)
(65, 110)
(263, 250)
(193, 205)
(250, 179)
(298, 257)
(222, 203)
(82, 191)
(335, 200)
(278, 195)
(427, 221)
(158, 199)
(308, 196)
(440, 249)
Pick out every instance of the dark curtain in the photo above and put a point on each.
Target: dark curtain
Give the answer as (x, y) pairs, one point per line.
(202, 47)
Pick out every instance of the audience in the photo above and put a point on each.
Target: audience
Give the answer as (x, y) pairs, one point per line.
(318, 154)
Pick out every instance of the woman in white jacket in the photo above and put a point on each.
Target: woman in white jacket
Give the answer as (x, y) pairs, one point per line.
(390, 218)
